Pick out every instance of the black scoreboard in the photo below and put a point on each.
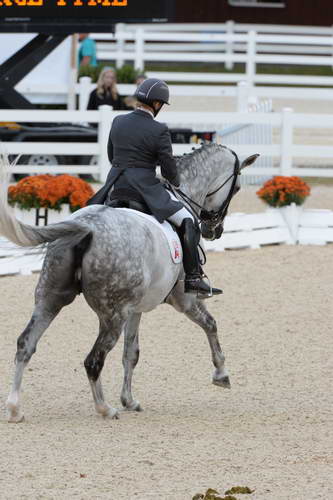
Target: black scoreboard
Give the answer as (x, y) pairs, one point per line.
(60, 16)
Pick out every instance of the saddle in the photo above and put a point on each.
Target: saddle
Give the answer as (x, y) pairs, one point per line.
(133, 204)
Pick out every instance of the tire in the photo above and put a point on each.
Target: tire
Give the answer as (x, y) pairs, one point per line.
(38, 159)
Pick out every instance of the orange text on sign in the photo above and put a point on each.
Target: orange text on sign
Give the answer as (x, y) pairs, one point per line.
(64, 3)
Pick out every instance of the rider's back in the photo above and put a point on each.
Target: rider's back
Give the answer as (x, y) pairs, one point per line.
(136, 140)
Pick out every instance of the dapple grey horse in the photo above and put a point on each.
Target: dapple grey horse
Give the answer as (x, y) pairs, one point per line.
(125, 269)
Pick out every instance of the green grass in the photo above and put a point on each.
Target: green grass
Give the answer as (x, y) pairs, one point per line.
(240, 68)
(263, 69)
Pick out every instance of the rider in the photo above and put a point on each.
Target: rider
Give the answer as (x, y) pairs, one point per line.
(136, 145)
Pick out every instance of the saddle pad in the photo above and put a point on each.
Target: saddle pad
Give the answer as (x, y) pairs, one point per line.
(169, 233)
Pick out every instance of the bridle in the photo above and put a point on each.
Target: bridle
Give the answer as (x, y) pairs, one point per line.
(214, 217)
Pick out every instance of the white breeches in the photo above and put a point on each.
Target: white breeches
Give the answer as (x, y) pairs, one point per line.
(178, 217)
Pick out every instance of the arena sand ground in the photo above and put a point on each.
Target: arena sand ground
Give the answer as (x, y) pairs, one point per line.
(270, 432)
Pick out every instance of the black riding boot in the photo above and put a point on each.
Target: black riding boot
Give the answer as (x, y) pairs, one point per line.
(193, 276)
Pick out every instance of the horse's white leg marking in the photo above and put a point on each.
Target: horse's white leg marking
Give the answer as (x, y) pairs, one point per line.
(26, 346)
(110, 330)
(14, 413)
(130, 359)
(196, 311)
(101, 406)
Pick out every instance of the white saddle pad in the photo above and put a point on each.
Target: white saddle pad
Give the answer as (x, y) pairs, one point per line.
(168, 231)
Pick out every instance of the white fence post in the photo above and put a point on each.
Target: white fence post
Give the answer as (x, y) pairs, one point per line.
(139, 49)
(243, 91)
(71, 96)
(120, 44)
(251, 55)
(229, 44)
(73, 72)
(84, 92)
(286, 141)
(332, 45)
(103, 136)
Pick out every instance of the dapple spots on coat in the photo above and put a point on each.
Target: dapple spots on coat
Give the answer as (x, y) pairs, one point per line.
(126, 271)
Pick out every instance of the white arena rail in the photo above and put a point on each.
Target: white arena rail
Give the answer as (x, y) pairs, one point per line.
(290, 225)
(250, 134)
(211, 85)
(284, 123)
(142, 44)
(227, 43)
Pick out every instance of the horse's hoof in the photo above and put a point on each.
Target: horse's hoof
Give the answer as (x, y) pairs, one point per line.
(112, 413)
(15, 416)
(134, 406)
(222, 382)
(16, 419)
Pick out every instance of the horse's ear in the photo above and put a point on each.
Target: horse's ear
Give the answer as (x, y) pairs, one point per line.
(248, 161)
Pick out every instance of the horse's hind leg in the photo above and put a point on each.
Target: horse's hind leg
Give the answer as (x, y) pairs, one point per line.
(196, 311)
(44, 312)
(130, 359)
(56, 288)
(109, 333)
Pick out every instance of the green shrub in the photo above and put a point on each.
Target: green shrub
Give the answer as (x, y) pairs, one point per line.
(127, 74)
(88, 70)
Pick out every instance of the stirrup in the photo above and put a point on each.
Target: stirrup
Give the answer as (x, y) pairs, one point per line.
(198, 286)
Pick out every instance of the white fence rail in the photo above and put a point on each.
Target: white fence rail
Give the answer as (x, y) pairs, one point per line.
(225, 43)
(41, 94)
(220, 44)
(286, 151)
(289, 225)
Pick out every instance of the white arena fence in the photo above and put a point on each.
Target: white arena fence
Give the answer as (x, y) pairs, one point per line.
(225, 43)
(194, 85)
(250, 134)
(285, 151)
(290, 225)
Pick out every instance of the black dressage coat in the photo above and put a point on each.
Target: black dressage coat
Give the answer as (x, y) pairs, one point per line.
(138, 143)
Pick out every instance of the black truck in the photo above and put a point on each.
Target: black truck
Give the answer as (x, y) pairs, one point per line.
(72, 133)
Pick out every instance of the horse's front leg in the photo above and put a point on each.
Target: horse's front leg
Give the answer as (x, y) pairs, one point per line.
(199, 314)
(130, 359)
(196, 311)
(109, 333)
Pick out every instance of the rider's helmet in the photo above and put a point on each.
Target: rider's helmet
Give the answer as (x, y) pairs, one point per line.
(151, 90)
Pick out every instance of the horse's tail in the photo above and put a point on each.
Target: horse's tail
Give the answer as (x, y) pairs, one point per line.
(70, 232)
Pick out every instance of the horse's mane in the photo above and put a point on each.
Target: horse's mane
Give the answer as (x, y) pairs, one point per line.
(197, 156)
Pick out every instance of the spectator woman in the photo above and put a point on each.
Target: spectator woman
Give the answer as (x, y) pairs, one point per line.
(106, 91)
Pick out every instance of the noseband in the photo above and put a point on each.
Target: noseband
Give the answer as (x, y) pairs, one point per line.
(212, 217)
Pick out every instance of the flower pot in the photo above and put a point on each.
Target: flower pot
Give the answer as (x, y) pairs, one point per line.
(42, 216)
(54, 216)
(291, 214)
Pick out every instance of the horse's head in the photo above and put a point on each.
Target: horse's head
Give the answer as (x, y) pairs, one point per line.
(219, 196)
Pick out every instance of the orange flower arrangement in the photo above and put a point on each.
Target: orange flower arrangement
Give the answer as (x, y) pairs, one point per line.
(50, 191)
(282, 190)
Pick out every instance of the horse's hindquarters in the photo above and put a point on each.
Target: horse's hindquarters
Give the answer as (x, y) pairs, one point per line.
(128, 264)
